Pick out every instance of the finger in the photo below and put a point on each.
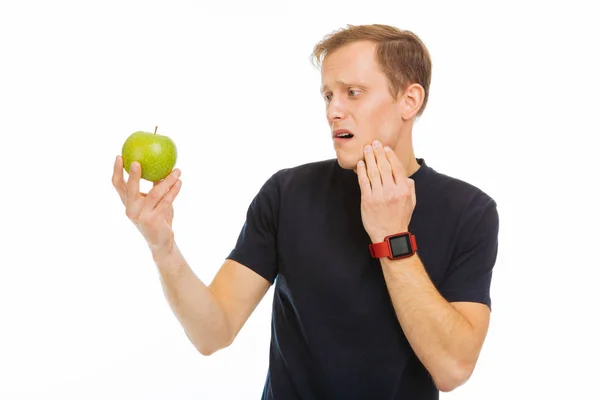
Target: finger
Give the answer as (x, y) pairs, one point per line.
(133, 182)
(168, 199)
(160, 189)
(397, 169)
(363, 179)
(117, 179)
(413, 194)
(372, 170)
(385, 169)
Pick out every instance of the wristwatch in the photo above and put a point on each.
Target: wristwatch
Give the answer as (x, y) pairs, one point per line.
(394, 247)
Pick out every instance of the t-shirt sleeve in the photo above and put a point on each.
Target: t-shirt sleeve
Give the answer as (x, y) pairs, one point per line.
(469, 275)
(256, 246)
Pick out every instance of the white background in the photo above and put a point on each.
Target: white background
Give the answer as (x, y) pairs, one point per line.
(513, 110)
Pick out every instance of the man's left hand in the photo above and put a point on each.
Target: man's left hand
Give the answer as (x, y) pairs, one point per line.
(388, 195)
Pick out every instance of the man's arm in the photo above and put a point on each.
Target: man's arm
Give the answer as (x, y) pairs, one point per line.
(446, 337)
(211, 316)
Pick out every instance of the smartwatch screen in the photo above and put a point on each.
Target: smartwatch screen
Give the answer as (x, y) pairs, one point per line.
(400, 245)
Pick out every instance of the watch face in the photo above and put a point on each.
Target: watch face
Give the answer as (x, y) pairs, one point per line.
(400, 246)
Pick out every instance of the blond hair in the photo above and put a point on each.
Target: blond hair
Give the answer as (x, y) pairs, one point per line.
(401, 54)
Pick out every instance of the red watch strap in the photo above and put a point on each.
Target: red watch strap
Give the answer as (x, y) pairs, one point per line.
(380, 250)
(413, 242)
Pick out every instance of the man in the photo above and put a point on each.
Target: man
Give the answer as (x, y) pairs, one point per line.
(350, 320)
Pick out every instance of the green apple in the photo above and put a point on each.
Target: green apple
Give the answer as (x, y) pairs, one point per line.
(156, 154)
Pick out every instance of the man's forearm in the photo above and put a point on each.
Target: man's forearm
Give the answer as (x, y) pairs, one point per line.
(440, 336)
(192, 302)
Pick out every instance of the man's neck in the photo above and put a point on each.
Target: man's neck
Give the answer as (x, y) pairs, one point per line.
(410, 165)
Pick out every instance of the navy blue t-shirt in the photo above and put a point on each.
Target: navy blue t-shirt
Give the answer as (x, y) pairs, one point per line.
(334, 332)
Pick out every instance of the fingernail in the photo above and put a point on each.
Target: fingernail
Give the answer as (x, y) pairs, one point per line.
(368, 148)
(134, 167)
(387, 148)
(377, 143)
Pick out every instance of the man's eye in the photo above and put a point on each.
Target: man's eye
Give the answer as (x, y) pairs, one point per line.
(353, 92)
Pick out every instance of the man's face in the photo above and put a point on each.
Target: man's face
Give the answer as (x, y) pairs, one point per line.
(358, 100)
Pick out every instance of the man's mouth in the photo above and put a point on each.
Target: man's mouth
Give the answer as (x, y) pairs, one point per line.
(342, 134)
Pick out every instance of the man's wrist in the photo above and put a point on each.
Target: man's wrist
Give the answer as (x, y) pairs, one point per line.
(380, 236)
(405, 264)
(162, 253)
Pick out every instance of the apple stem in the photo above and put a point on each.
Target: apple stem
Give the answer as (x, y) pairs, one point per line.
(155, 129)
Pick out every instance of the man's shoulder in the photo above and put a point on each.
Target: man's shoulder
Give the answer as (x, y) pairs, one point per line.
(462, 209)
(459, 192)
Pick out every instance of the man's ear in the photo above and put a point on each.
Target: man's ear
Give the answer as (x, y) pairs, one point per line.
(411, 101)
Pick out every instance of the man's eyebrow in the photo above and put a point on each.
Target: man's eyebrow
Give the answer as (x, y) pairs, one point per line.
(338, 82)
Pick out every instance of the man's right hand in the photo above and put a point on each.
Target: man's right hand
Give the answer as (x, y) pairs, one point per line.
(211, 316)
(151, 213)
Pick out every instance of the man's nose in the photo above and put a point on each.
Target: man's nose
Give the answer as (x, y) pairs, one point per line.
(336, 110)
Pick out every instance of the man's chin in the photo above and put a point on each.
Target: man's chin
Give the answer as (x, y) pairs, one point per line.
(347, 162)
